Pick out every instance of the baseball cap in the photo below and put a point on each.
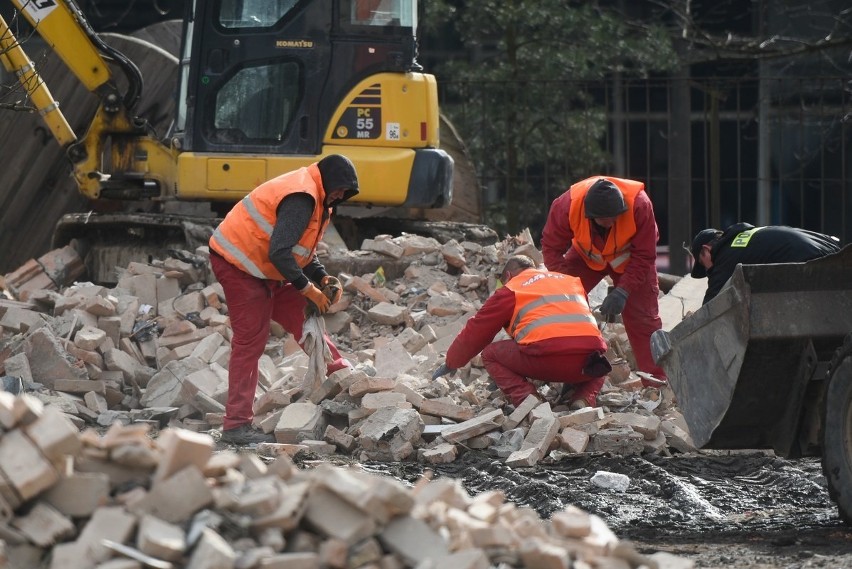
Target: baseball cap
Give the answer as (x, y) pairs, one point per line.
(703, 237)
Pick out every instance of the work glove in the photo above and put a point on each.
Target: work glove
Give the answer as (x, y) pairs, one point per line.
(331, 288)
(318, 303)
(614, 302)
(442, 370)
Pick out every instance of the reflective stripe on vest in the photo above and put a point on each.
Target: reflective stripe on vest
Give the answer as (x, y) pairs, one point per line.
(549, 305)
(547, 320)
(244, 235)
(618, 240)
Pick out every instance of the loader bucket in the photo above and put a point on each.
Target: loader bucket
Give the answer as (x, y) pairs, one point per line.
(740, 365)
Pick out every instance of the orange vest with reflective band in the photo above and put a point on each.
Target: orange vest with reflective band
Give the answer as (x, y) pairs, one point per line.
(549, 305)
(616, 250)
(243, 236)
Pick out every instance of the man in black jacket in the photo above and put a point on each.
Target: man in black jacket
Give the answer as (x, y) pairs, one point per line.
(716, 253)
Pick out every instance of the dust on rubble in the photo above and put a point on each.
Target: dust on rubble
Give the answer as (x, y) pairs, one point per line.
(127, 364)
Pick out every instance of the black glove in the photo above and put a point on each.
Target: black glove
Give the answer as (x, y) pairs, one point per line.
(614, 302)
(596, 365)
(441, 371)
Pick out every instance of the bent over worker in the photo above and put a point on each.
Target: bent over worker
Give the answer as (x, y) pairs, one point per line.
(555, 337)
(717, 253)
(264, 255)
(606, 226)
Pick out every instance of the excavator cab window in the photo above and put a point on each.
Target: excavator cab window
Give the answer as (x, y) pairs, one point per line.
(401, 13)
(268, 76)
(257, 103)
(241, 14)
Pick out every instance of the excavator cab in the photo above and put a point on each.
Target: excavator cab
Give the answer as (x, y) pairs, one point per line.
(267, 86)
(263, 87)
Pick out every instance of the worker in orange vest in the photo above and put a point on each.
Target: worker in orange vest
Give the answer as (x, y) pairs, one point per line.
(264, 256)
(605, 226)
(554, 336)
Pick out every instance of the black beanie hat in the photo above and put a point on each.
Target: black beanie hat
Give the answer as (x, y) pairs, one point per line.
(338, 173)
(704, 237)
(604, 199)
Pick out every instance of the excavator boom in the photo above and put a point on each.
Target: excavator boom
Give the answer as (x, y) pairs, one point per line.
(262, 88)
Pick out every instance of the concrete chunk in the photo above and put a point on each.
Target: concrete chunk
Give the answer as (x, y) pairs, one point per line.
(390, 433)
(181, 448)
(48, 359)
(80, 494)
(212, 552)
(25, 466)
(573, 441)
(177, 498)
(413, 540)
(393, 360)
(335, 518)
(160, 539)
(44, 525)
(300, 421)
(474, 427)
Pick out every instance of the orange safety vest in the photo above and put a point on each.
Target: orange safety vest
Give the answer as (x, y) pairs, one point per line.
(616, 250)
(243, 236)
(549, 305)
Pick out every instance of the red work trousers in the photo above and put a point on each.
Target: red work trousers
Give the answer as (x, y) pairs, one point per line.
(641, 314)
(252, 303)
(512, 365)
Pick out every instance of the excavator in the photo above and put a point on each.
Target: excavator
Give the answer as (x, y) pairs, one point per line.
(264, 87)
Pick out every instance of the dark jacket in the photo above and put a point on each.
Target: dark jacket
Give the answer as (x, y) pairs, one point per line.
(770, 244)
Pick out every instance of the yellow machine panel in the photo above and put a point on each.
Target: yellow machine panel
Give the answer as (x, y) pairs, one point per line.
(388, 110)
(383, 173)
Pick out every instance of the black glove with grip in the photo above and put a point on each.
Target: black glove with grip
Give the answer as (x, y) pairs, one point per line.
(442, 370)
(614, 302)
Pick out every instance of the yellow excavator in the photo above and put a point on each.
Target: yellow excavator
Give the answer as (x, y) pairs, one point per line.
(264, 87)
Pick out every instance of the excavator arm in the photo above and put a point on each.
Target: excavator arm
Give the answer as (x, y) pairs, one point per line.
(116, 154)
(260, 88)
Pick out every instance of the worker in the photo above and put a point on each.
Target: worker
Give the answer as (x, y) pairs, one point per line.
(605, 226)
(717, 253)
(555, 337)
(264, 255)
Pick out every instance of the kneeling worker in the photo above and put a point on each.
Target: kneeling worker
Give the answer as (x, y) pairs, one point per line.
(555, 337)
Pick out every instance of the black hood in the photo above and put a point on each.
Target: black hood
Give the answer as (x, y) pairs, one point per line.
(338, 172)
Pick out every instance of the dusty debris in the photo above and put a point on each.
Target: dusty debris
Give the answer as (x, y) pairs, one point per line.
(152, 353)
(72, 499)
(155, 348)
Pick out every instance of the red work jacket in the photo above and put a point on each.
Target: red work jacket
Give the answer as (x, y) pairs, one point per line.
(616, 249)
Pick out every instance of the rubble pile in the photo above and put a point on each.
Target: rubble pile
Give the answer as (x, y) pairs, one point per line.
(147, 358)
(155, 348)
(123, 500)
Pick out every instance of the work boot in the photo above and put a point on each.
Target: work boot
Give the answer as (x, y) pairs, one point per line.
(578, 404)
(245, 435)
